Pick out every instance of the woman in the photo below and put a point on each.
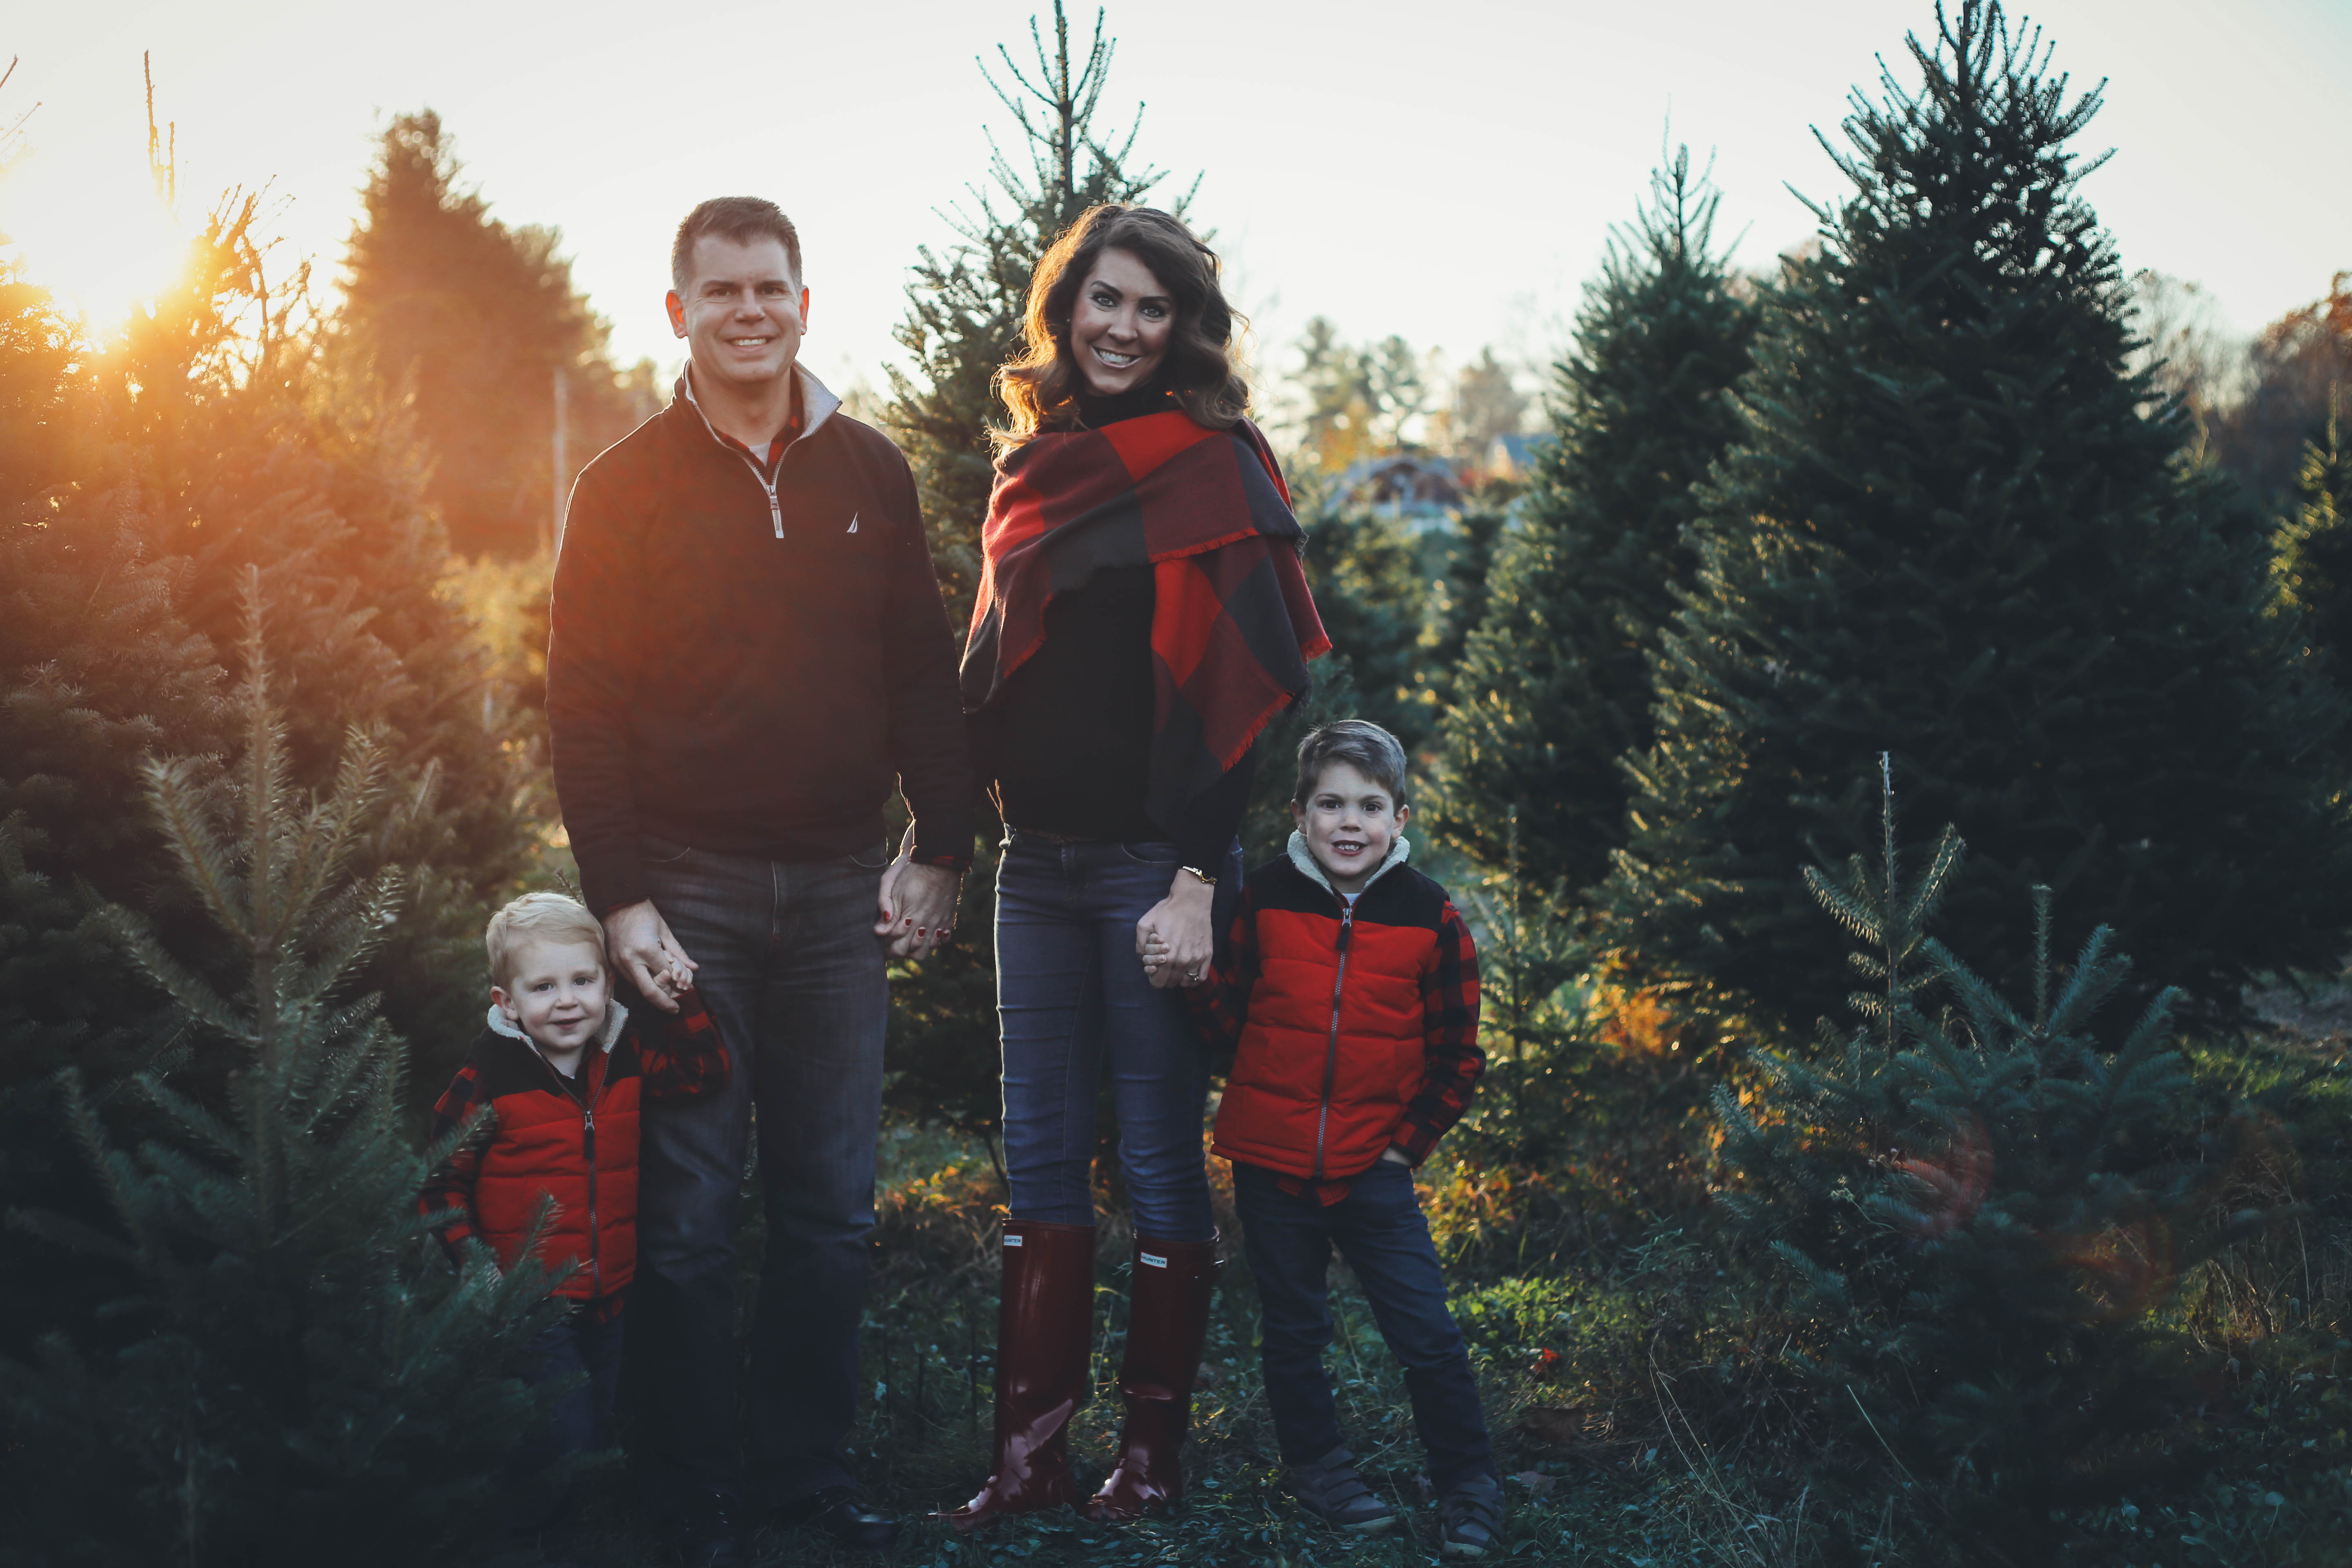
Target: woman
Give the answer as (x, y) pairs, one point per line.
(1142, 615)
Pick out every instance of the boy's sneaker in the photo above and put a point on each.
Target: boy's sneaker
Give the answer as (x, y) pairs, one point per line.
(1471, 1513)
(1331, 1491)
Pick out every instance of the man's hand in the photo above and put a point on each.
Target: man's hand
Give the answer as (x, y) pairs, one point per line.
(918, 906)
(638, 941)
(1398, 1155)
(1176, 937)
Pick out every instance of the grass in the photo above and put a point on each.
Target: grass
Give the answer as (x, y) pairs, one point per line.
(1645, 1390)
(1590, 1482)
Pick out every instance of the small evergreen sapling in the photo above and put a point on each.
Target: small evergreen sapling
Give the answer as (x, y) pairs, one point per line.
(298, 1388)
(1984, 1208)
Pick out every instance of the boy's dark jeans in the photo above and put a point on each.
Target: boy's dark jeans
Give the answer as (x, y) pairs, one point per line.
(1378, 1230)
(792, 971)
(575, 1347)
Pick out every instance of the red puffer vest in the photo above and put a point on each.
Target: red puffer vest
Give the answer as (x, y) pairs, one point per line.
(1333, 1047)
(573, 1140)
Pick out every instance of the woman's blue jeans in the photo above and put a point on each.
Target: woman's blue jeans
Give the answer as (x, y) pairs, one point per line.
(1074, 1002)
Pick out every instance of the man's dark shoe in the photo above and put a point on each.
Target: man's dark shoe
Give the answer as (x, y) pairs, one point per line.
(836, 1511)
(707, 1533)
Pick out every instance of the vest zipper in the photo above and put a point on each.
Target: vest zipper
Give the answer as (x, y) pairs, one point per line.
(1331, 1050)
(572, 1090)
(595, 1231)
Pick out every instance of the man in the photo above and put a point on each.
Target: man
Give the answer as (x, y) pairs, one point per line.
(749, 652)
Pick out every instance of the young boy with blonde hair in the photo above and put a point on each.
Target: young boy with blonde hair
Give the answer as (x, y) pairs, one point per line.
(560, 1068)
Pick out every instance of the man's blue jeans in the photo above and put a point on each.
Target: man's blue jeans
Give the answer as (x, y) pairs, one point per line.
(1380, 1229)
(1073, 999)
(791, 968)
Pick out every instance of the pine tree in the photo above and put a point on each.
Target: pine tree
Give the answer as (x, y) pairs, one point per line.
(963, 323)
(2312, 552)
(297, 1389)
(1950, 531)
(1366, 573)
(1554, 685)
(39, 370)
(474, 320)
(1985, 1209)
(223, 442)
(147, 475)
(964, 304)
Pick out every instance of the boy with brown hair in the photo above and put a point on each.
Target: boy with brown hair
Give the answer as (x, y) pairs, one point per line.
(1351, 997)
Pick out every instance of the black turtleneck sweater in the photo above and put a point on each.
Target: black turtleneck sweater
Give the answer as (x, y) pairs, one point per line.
(1067, 746)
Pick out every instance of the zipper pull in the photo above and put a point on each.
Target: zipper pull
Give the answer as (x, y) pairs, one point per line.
(776, 513)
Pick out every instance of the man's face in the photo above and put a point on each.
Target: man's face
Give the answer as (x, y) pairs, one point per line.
(742, 313)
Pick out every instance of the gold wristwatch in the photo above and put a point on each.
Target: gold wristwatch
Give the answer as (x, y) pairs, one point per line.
(1196, 871)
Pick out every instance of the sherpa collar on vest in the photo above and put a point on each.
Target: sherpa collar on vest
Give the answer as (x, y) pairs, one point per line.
(1304, 858)
(616, 1016)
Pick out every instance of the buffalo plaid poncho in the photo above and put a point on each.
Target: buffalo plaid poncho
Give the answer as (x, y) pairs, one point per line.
(1232, 625)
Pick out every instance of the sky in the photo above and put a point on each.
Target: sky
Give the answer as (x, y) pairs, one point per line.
(1447, 172)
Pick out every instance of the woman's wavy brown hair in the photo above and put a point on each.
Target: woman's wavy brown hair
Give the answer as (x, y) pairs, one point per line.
(1042, 387)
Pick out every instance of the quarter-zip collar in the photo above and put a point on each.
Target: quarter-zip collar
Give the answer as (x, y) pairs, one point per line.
(817, 403)
(1304, 858)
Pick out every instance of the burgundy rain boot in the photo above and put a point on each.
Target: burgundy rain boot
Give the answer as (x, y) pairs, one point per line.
(1043, 1334)
(1167, 1322)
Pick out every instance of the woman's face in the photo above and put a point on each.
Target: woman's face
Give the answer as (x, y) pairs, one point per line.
(1120, 327)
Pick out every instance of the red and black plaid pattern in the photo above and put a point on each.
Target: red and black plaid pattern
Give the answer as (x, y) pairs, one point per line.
(1449, 1035)
(679, 1057)
(1232, 625)
(450, 1188)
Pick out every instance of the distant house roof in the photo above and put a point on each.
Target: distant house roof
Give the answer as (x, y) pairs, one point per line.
(1511, 457)
(1402, 484)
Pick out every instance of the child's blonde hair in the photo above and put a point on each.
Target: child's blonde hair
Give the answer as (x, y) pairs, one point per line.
(546, 916)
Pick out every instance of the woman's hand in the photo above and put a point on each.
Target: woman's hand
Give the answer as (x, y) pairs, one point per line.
(1176, 936)
(917, 904)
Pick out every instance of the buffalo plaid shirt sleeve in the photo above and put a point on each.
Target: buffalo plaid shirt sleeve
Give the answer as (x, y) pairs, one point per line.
(450, 1189)
(681, 1056)
(1449, 1027)
(1220, 1006)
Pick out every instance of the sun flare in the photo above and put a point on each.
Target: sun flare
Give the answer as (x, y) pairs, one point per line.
(100, 240)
